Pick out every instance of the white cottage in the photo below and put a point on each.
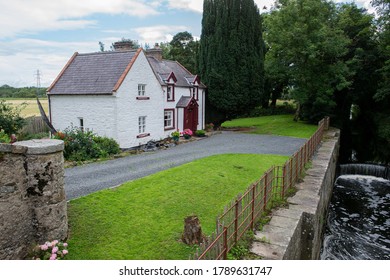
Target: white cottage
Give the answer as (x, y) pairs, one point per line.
(132, 96)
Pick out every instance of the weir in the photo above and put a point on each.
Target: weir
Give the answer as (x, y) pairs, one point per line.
(365, 169)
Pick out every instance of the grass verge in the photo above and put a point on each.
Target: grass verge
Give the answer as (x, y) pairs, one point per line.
(282, 125)
(143, 219)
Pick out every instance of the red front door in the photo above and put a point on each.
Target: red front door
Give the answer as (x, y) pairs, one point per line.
(191, 116)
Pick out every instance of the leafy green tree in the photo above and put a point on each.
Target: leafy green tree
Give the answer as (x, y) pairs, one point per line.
(276, 73)
(362, 60)
(24, 92)
(383, 9)
(231, 59)
(382, 96)
(10, 119)
(309, 47)
(184, 48)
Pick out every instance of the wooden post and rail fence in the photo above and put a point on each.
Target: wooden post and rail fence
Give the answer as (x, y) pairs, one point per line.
(242, 213)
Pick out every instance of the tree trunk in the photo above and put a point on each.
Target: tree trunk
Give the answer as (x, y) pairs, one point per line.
(192, 231)
(297, 113)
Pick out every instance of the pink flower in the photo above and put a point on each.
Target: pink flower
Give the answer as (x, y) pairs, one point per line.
(44, 247)
(54, 243)
(65, 244)
(187, 131)
(53, 257)
(64, 252)
(54, 250)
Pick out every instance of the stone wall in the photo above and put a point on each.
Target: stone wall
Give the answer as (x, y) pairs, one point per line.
(32, 196)
(295, 232)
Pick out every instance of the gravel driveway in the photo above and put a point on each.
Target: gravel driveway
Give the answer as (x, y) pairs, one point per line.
(83, 180)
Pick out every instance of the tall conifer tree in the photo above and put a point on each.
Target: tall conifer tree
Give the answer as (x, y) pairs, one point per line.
(231, 59)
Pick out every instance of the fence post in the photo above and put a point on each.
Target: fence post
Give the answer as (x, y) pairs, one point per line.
(265, 191)
(291, 173)
(236, 221)
(225, 243)
(284, 181)
(253, 206)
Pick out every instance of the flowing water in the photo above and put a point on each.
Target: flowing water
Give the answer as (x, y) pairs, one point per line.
(358, 224)
(366, 169)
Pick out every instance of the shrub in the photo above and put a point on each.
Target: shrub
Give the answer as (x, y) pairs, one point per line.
(85, 145)
(10, 119)
(4, 138)
(108, 145)
(284, 109)
(200, 133)
(54, 250)
(210, 127)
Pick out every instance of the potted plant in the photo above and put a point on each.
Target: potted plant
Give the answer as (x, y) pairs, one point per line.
(200, 133)
(175, 136)
(187, 133)
(209, 127)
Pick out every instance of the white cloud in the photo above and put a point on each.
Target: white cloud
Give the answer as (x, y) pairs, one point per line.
(22, 16)
(156, 34)
(192, 5)
(22, 57)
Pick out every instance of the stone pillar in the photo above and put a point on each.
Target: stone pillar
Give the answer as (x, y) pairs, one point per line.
(32, 196)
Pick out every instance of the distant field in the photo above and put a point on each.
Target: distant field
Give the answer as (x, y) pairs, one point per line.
(31, 107)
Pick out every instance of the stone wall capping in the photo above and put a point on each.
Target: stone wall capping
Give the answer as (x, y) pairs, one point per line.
(41, 146)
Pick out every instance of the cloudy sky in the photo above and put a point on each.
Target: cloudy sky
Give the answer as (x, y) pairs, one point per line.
(43, 34)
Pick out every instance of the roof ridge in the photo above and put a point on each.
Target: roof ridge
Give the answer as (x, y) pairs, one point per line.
(107, 52)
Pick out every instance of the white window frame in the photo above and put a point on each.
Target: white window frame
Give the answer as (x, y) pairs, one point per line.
(171, 113)
(141, 124)
(170, 92)
(81, 123)
(141, 89)
(195, 92)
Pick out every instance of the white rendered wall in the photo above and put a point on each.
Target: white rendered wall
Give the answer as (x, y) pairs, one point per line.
(129, 109)
(97, 113)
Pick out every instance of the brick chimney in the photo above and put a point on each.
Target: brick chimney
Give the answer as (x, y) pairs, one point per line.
(156, 52)
(123, 46)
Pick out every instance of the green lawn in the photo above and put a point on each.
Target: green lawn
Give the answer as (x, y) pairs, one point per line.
(283, 125)
(143, 219)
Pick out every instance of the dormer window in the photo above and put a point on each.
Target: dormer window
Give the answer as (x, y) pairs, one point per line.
(170, 92)
(195, 92)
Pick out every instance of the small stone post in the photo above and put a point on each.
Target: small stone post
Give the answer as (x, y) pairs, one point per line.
(32, 196)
